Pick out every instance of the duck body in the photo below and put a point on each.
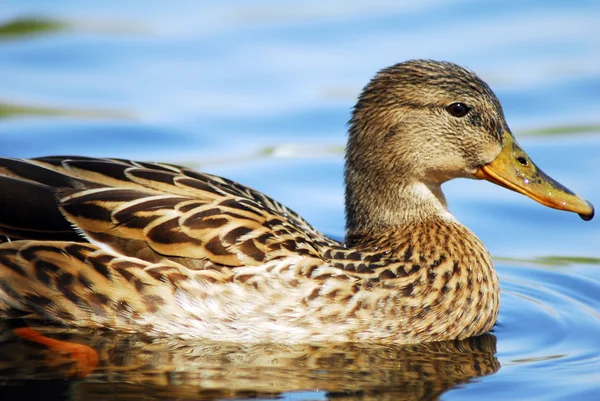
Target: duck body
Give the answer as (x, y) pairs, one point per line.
(165, 250)
(175, 252)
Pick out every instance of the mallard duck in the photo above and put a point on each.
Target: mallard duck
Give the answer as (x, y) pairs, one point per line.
(161, 249)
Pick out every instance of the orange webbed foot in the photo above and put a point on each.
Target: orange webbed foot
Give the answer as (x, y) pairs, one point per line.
(84, 358)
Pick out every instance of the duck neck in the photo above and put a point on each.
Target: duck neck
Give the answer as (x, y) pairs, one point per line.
(373, 206)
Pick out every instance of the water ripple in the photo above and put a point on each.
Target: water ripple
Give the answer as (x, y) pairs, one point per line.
(549, 314)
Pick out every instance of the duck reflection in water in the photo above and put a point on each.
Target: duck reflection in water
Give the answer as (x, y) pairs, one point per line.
(141, 367)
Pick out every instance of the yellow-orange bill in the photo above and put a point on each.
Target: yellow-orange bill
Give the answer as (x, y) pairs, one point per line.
(513, 169)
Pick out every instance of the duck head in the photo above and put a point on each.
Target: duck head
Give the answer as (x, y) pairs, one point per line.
(421, 123)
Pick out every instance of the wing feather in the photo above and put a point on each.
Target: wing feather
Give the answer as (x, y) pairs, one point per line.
(159, 212)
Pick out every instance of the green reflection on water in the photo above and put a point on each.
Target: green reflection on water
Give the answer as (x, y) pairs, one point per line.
(563, 130)
(29, 26)
(552, 260)
(12, 110)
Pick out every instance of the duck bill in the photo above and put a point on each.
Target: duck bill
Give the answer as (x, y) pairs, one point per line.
(513, 169)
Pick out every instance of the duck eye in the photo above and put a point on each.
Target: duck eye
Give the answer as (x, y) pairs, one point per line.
(458, 109)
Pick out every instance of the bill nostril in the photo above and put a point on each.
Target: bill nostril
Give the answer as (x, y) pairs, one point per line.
(522, 161)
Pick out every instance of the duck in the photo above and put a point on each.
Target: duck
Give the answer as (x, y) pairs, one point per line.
(164, 250)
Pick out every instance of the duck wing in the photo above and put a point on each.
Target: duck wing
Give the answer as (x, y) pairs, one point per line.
(152, 211)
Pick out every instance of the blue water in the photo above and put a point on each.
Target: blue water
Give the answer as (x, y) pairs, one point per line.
(260, 92)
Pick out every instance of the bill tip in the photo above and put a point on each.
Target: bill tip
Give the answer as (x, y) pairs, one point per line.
(590, 215)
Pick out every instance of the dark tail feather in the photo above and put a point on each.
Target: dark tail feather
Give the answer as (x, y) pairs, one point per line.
(29, 210)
